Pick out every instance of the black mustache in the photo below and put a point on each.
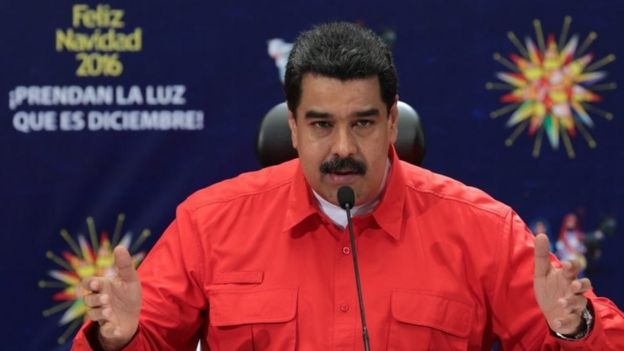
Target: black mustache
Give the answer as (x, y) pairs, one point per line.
(343, 165)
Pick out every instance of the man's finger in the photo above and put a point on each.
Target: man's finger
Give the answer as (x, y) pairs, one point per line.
(107, 329)
(96, 300)
(573, 302)
(89, 285)
(581, 286)
(542, 255)
(124, 265)
(96, 314)
(576, 303)
(571, 269)
(567, 324)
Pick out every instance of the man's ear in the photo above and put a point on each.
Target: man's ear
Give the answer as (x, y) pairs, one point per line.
(393, 121)
(292, 123)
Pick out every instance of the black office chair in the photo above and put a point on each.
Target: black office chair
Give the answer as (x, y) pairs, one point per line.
(274, 145)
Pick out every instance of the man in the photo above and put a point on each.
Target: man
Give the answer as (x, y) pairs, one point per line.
(262, 261)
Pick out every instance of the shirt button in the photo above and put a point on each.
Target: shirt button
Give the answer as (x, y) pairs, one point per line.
(344, 307)
(346, 250)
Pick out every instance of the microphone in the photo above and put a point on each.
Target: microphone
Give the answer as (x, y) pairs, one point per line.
(346, 199)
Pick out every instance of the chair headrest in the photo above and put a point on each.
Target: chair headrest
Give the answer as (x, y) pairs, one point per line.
(274, 145)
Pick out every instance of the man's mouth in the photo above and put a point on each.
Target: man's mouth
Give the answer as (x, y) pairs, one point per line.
(345, 172)
(343, 177)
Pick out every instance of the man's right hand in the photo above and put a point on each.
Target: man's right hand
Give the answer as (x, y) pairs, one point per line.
(115, 302)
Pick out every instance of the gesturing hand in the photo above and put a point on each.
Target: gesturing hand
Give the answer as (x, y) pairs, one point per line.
(558, 291)
(115, 302)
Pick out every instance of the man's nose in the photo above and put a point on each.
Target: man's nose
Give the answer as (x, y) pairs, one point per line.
(344, 143)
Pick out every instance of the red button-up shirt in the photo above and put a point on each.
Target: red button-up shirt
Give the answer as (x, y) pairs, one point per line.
(252, 264)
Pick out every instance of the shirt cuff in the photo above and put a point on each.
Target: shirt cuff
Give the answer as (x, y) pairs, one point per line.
(89, 341)
(593, 340)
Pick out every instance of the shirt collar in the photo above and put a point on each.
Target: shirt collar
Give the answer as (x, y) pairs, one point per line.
(388, 214)
(301, 202)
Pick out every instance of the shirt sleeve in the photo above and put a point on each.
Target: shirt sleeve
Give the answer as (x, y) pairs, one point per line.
(517, 319)
(173, 302)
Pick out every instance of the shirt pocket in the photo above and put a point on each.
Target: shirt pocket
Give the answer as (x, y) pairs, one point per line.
(253, 320)
(239, 277)
(426, 321)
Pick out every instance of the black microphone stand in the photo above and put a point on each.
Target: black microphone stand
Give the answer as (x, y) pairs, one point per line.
(346, 204)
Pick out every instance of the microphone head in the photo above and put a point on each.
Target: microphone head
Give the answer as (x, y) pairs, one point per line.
(346, 197)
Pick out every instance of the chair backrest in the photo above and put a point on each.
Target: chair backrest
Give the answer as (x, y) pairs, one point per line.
(274, 145)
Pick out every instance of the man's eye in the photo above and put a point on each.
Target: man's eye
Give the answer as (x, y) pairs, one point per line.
(321, 124)
(364, 123)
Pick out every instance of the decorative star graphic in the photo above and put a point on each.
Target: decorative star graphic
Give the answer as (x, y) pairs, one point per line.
(552, 87)
(86, 259)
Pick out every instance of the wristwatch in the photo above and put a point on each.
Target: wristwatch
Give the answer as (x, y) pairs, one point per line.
(588, 320)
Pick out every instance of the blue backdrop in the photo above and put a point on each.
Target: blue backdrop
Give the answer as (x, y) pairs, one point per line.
(61, 165)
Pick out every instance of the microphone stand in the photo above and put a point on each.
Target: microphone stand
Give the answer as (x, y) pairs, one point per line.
(347, 206)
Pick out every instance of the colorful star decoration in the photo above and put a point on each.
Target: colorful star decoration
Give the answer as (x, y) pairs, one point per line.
(552, 87)
(86, 259)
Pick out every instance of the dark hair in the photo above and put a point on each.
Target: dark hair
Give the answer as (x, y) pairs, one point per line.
(340, 50)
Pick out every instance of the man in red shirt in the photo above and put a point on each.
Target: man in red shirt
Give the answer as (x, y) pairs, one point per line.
(262, 261)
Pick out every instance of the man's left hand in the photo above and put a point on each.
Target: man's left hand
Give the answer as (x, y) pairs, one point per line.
(558, 291)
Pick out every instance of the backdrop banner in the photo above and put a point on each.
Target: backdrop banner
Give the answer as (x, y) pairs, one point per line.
(114, 112)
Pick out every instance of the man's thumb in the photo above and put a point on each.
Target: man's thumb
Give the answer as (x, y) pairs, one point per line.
(123, 264)
(542, 255)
